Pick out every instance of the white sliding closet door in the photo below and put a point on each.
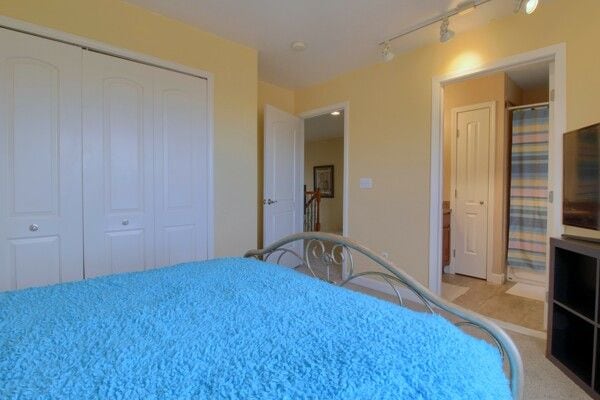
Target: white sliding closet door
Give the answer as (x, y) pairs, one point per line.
(118, 165)
(40, 162)
(181, 163)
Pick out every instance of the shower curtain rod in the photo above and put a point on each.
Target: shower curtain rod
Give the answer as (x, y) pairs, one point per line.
(536, 105)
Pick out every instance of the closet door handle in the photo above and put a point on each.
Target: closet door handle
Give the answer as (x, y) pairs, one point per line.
(125, 222)
(34, 227)
(481, 202)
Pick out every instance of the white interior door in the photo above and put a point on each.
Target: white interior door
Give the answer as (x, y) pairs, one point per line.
(283, 204)
(40, 162)
(118, 165)
(471, 195)
(181, 167)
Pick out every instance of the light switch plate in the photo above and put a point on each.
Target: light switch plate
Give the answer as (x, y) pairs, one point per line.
(366, 183)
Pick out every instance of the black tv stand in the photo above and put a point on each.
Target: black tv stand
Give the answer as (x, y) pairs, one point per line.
(574, 311)
(567, 236)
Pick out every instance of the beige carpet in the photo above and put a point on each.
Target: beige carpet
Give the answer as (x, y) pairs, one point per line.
(543, 381)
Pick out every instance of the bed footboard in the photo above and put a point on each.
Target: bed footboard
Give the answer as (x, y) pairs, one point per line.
(323, 254)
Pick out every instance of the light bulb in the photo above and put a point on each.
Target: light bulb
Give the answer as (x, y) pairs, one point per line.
(530, 6)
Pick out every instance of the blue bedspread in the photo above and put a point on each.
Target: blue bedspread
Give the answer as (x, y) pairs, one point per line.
(227, 329)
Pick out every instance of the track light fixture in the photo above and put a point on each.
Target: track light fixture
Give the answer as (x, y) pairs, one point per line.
(466, 8)
(386, 52)
(445, 32)
(529, 6)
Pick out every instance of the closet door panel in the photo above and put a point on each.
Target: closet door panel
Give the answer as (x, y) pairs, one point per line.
(180, 244)
(118, 165)
(123, 145)
(38, 267)
(40, 162)
(125, 250)
(34, 171)
(181, 176)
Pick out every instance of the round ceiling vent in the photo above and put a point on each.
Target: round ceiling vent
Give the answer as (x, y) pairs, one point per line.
(298, 45)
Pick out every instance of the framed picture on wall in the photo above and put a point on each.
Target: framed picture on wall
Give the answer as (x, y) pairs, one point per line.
(323, 179)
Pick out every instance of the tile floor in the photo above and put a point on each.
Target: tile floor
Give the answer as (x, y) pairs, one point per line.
(491, 300)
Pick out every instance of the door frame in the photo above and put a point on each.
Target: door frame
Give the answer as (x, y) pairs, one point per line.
(555, 54)
(345, 106)
(100, 47)
(491, 179)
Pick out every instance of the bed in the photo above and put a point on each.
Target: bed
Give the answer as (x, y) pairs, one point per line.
(248, 328)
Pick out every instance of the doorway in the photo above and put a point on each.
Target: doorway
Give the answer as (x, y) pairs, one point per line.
(323, 173)
(496, 192)
(324, 184)
(340, 114)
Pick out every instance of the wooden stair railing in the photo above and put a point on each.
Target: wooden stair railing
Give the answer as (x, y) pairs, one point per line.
(312, 210)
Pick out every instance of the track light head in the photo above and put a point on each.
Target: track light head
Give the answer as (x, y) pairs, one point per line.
(529, 6)
(386, 52)
(445, 32)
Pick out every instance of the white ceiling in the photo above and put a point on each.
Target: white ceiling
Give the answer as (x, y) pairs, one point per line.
(323, 127)
(531, 76)
(341, 35)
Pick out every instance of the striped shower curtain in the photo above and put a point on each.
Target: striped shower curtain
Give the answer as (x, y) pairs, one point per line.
(528, 190)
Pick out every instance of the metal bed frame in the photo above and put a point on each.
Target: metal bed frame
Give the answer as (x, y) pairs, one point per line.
(325, 250)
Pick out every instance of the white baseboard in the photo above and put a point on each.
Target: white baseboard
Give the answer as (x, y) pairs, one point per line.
(496, 279)
(507, 326)
(531, 278)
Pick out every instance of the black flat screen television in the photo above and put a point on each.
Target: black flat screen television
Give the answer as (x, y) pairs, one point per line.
(581, 178)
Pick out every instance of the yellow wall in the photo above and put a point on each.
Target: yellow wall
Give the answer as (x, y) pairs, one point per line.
(390, 117)
(514, 94)
(283, 99)
(235, 70)
(327, 152)
(466, 93)
(535, 95)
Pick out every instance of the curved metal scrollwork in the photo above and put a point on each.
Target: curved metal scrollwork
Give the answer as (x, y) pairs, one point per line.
(324, 251)
(280, 253)
(319, 257)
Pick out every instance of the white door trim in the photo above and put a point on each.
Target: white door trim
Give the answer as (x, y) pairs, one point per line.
(85, 43)
(324, 110)
(555, 53)
(491, 179)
